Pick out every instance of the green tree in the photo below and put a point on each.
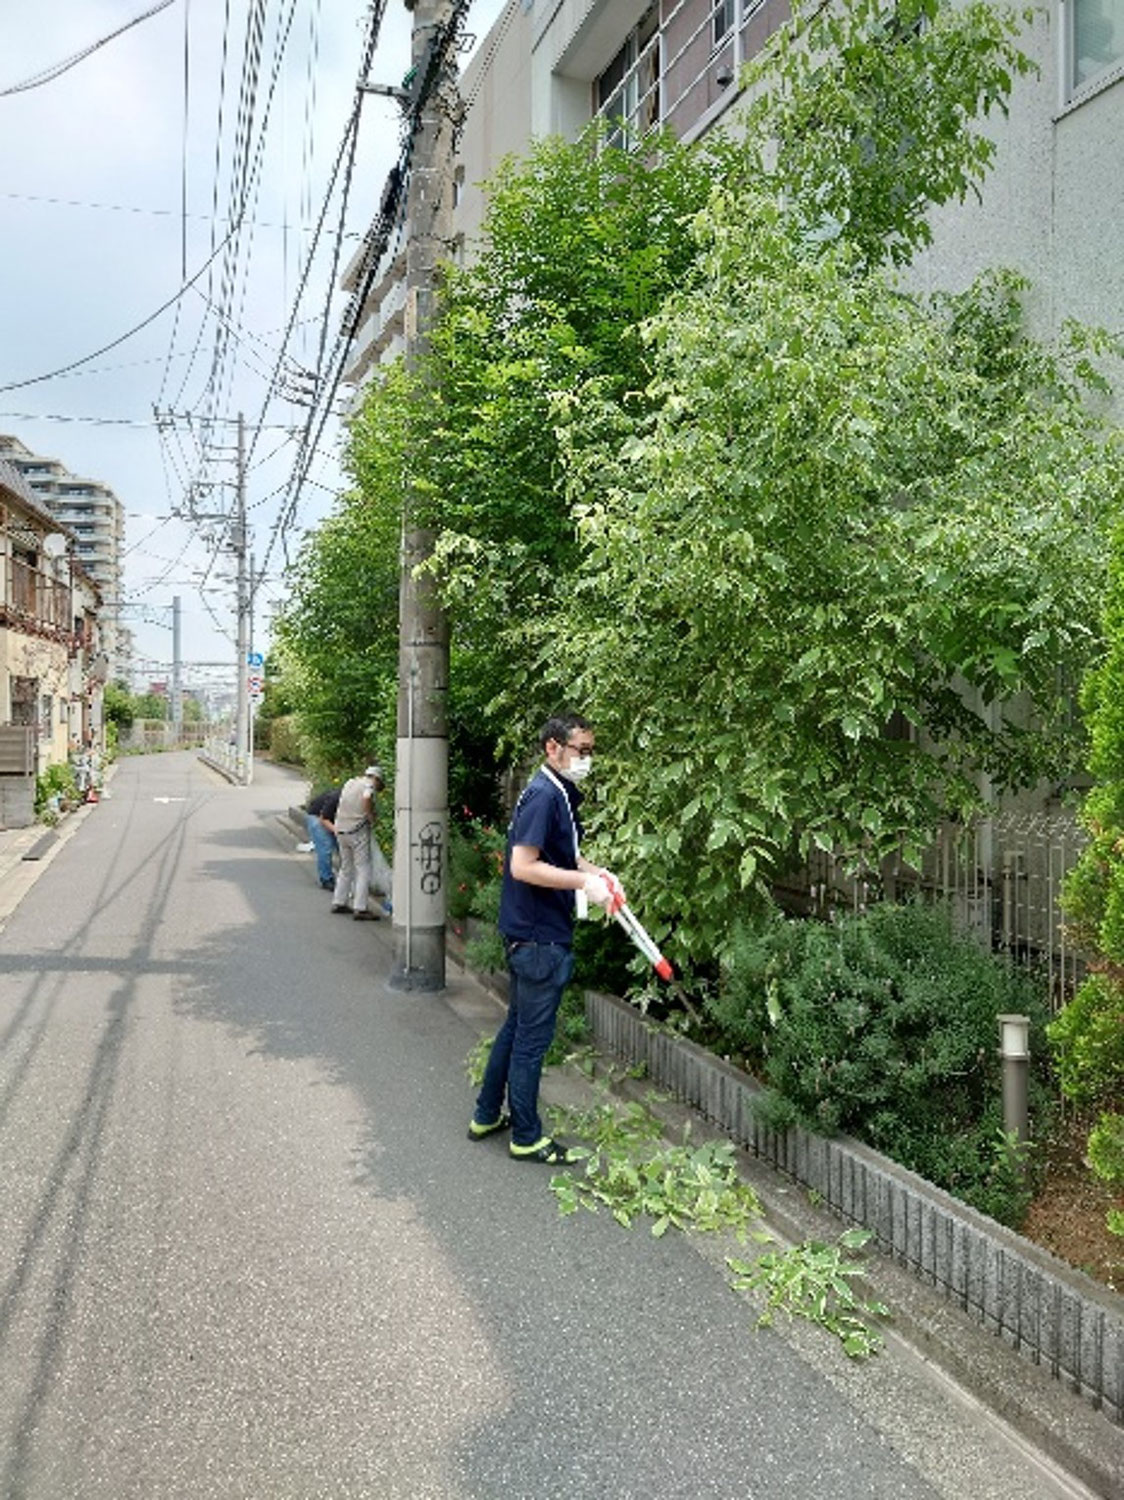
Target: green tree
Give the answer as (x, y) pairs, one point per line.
(1088, 1035)
(847, 567)
(581, 242)
(866, 114)
(336, 645)
(118, 705)
(822, 557)
(150, 706)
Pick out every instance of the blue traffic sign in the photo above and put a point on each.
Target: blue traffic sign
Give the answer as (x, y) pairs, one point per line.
(255, 659)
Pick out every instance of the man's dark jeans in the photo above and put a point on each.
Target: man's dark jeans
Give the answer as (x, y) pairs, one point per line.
(324, 842)
(538, 973)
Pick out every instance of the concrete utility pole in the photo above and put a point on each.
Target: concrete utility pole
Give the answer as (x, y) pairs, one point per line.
(177, 670)
(251, 697)
(421, 802)
(242, 681)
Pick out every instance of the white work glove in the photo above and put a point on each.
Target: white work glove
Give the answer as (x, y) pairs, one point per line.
(604, 889)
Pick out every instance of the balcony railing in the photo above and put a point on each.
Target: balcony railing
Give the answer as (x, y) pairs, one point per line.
(33, 598)
(691, 65)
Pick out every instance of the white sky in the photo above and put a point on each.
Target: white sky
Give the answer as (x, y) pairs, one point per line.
(93, 167)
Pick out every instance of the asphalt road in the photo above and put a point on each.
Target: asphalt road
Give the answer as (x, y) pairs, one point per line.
(246, 1250)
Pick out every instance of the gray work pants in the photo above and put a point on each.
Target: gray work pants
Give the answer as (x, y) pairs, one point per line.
(354, 878)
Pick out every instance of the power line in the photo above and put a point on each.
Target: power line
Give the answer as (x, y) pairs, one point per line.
(344, 162)
(244, 180)
(213, 220)
(157, 213)
(390, 211)
(143, 425)
(136, 364)
(42, 416)
(17, 385)
(56, 70)
(244, 183)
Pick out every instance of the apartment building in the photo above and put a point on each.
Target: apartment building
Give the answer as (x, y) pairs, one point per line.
(1051, 207)
(95, 519)
(547, 67)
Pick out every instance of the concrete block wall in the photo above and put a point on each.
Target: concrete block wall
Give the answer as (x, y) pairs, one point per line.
(17, 801)
(1048, 1312)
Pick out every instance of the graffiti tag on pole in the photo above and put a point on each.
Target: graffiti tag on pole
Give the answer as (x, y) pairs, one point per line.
(431, 858)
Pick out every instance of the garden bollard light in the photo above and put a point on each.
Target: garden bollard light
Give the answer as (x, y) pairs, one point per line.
(1014, 1049)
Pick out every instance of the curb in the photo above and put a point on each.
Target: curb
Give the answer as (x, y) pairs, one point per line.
(1061, 1424)
(955, 1278)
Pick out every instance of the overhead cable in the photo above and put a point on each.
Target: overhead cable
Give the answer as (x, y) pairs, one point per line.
(391, 209)
(17, 385)
(56, 70)
(344, 162)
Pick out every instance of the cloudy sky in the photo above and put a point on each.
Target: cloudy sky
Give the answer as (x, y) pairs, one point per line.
(120, 179)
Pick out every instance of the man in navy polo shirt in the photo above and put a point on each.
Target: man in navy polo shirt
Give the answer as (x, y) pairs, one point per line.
(545, 879)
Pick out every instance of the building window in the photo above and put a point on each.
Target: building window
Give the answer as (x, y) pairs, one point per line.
(627, 93)
(24, 691)
(1095, 36)
(722, 18)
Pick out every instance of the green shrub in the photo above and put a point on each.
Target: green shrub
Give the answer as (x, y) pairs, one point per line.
(1106, 1149)
(884, 1025)
(1085, 892)
(475, 867)
(56, 781)
(571, 1032)
(1088, 1036)
(1087, 1039)
(284, 741)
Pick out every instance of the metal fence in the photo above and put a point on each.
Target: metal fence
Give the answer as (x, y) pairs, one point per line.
(1002, 876)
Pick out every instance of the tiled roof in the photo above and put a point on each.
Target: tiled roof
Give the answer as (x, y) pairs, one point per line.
(13, 482)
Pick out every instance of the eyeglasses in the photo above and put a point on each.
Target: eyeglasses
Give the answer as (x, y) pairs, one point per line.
(580, 749)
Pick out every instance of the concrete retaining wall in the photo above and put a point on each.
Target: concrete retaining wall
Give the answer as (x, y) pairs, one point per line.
(17, 801)
(1054, 1315)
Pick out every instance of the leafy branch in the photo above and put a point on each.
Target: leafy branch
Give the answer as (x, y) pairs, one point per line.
(698, 1187)
(813, 1281)
(476, 1060)
(681, 1187)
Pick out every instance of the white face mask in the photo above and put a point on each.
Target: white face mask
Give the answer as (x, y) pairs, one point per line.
(578, 769)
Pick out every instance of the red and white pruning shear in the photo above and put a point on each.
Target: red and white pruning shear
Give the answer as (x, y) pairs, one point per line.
(618, 907)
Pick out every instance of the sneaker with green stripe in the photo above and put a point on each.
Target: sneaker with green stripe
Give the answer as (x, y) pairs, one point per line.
(548, 1151)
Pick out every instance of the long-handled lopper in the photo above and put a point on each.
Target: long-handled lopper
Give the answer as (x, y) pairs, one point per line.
(639, 936)
(620, 909)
